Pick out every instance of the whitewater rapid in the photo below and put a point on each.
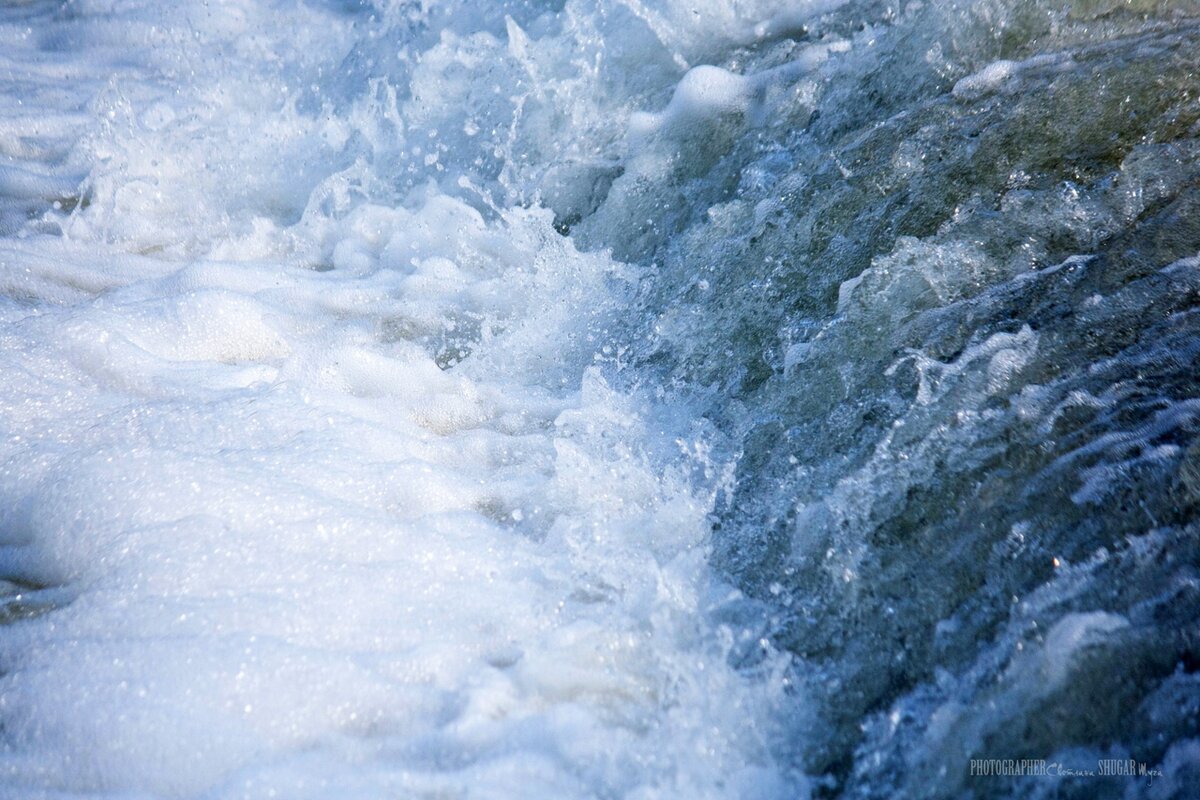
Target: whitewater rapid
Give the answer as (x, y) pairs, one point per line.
(313, 484)
(631, 399)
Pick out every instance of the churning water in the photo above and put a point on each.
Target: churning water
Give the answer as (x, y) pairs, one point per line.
(598, 399)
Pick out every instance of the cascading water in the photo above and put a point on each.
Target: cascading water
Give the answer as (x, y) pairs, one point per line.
(600, 398)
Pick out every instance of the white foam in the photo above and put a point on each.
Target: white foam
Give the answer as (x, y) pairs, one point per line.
(1003, 75)
(298, 556)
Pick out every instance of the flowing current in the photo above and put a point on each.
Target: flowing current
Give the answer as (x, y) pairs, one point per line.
(598, 399)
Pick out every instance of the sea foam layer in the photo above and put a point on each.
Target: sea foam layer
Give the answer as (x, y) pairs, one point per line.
(634, 399)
